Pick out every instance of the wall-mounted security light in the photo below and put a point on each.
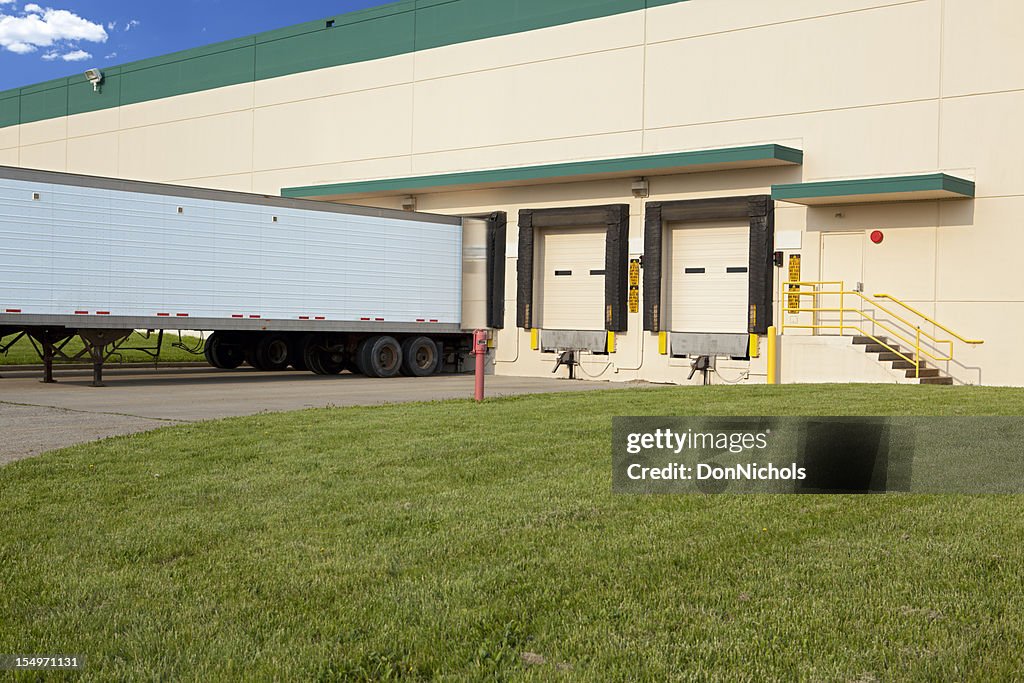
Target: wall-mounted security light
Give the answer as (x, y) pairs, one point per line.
(94, 76)
(641, 188)
(409, 203)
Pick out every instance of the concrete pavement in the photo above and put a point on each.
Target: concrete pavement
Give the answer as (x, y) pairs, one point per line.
(39, 417)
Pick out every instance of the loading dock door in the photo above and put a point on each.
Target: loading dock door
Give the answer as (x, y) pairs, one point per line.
(708, 282)
(570, 270)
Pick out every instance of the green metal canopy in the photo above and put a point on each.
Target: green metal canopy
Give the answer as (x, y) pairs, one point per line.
(873, 190)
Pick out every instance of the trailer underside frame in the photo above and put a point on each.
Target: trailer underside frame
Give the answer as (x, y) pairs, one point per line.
(374, 348)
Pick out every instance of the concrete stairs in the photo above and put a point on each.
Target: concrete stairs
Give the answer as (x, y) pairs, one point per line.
(927, 375)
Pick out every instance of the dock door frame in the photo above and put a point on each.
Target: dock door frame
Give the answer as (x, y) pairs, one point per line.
(759, 210)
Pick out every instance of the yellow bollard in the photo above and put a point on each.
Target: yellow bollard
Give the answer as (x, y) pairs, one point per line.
(773, 360)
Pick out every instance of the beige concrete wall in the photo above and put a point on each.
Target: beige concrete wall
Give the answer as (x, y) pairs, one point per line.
(864, 87)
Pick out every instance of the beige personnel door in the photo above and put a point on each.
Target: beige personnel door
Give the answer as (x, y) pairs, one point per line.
(842, 259)
(708, 282)
(570, 270)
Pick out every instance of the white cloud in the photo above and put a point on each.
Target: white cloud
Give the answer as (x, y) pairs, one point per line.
(132, 23)
(46, 27)
(72, 56)
(112, 55)
(111, 25)
(6, 2)
(75, 56)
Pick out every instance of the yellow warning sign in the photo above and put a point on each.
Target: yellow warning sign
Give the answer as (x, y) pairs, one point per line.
(793, 300)
(634, 285)
(634, 272)
(634, 300)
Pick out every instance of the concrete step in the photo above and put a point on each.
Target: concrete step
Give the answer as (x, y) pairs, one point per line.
(936, 380)
(878, 348)
(924, 372)
(887, 356)
(860, 341)
(905, 364)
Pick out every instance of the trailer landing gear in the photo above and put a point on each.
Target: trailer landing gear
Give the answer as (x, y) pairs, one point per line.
(96, 343)
(49, 344)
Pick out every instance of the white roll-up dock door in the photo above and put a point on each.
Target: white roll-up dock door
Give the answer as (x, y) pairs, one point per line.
(570, 270)
(708, 279)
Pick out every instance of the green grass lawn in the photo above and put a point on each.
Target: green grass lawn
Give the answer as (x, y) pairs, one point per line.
(22, 352)
(445, 540)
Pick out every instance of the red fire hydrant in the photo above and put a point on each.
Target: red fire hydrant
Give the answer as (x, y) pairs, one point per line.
(480, 349)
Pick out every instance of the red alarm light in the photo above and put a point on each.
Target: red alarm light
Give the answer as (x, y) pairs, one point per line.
(877, 236)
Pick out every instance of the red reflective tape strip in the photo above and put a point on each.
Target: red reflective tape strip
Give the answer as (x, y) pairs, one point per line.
(81, 312)
(320, 317)
(364, 318)
(380, 320)
(421, 320)
(182, 315)
(303, 317)
(14, 310)
(164, 315)
(237, 316)
(433, 321)
(254, 317)
(102, 312)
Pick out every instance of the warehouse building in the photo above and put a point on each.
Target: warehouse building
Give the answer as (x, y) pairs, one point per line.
(654, 172)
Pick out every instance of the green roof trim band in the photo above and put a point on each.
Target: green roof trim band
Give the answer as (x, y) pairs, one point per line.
(937, 184)
(756, 155)
(396, 28)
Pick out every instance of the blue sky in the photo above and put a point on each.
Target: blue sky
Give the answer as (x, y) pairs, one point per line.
(45, 39)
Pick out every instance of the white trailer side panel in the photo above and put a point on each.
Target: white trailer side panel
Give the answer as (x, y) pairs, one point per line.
(129, 253)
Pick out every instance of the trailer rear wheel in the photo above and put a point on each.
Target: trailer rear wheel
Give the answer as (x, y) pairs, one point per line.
(318, 358)
(419, 357)
(380, 357)
(359, 359)
(221, 353)
(269, 353)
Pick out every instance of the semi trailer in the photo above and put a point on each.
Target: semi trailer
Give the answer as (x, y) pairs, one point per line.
(277, 283)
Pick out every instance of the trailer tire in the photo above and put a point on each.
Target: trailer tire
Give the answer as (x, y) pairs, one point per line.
(318, 358)
(359, 359)
(419, 357)
(380, 357)
(270, 353)
(221, 354)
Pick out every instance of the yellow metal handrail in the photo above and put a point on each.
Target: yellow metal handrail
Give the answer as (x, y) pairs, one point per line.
(793, 288)
(842, 310)
(937, 324)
